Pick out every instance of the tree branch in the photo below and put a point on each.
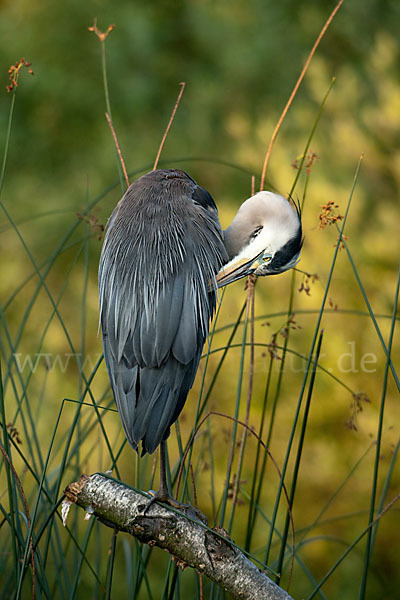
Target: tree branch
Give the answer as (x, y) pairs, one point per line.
(185, 537)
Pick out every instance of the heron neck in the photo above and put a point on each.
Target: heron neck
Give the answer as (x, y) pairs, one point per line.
(234, 239)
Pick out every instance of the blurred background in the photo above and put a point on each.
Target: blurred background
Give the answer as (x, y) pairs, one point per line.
(240, 61)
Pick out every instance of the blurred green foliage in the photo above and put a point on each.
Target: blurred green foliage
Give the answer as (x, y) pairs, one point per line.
(240, 60)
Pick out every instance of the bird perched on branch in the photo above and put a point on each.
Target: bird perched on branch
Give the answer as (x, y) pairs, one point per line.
(163, 258)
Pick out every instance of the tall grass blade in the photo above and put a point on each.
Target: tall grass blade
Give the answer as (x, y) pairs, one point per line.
(372, 529)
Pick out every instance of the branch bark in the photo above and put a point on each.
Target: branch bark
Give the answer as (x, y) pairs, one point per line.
(189, 541)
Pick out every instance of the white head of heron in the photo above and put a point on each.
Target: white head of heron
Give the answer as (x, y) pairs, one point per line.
(264, 238)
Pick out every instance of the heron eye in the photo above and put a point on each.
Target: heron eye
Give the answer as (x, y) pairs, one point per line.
(267, 258)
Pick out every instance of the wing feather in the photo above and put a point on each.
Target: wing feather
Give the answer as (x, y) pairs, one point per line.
(162, 247)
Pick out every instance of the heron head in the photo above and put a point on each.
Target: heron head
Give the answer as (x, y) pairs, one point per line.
(264, 238)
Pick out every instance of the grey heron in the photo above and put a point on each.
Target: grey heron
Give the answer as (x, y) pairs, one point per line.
(163, 258)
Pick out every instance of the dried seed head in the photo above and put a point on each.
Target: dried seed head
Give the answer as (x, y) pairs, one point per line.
(13, 73)
(100, 34)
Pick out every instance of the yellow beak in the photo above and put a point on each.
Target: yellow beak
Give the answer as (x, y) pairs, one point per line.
(238, 268)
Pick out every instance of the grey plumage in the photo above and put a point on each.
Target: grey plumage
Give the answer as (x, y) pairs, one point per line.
(163, 246)
(159, 271)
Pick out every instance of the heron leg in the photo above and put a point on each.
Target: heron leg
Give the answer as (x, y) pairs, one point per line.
(163, 494)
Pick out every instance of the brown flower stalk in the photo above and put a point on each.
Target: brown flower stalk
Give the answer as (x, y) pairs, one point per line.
(294, 92)
(182, 84)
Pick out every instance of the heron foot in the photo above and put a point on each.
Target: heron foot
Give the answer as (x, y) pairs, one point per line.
(165, 498)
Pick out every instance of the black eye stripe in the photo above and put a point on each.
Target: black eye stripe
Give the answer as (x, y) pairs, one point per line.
(288, 251)
(256, 232)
